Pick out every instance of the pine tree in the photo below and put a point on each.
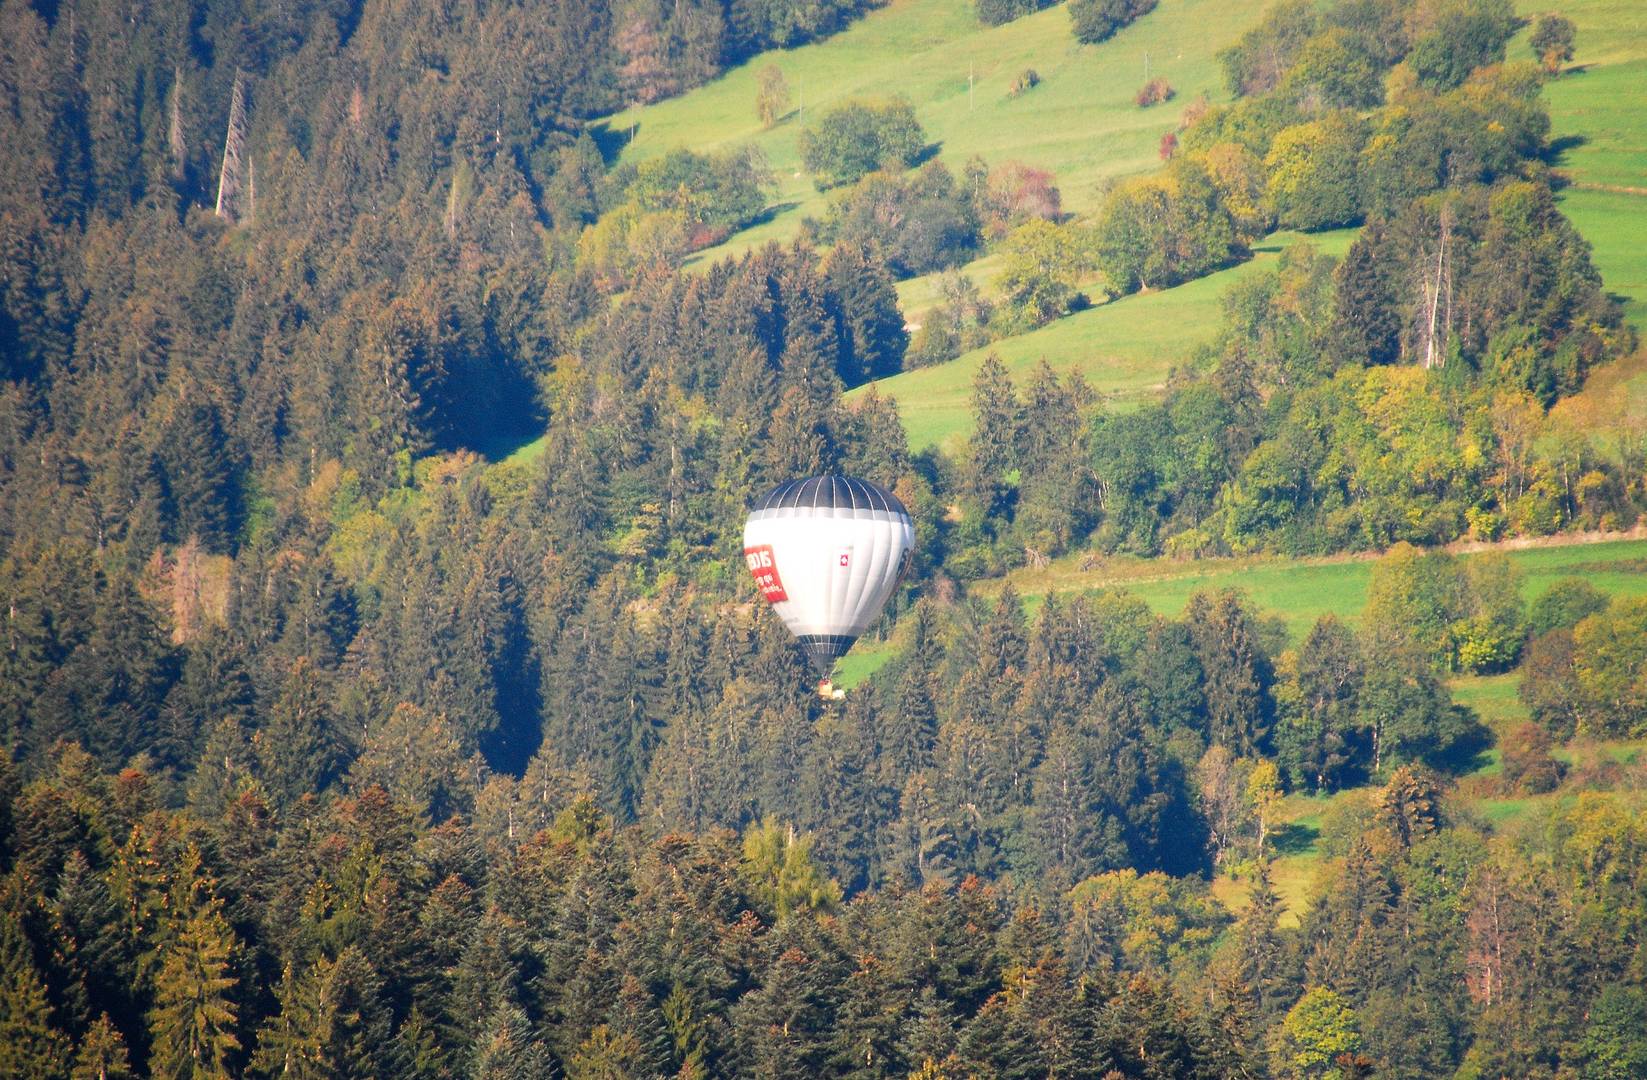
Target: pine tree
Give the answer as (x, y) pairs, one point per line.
(102, 1054)
(992, 450)
(192, 1024)
(909, 725)
(107, 695)
(1259, 945)
(297, 749)
(869, 327)
(198, 473)
(31, 1048)
(924, 844)
(508, 1050)
(332, 1023)
(1237, 672)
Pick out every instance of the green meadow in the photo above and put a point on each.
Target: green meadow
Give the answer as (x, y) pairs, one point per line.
(1599, 123)
(1080, 121)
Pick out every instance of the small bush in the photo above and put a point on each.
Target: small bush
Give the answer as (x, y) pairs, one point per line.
(959, 324)
(1169, 146)
(771, 95)
(1154, 92)
(1015, 193)
(1564, 605)
(1028, 79)
(1552, 41)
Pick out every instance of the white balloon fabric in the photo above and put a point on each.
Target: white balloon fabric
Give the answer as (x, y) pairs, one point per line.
(827, 552)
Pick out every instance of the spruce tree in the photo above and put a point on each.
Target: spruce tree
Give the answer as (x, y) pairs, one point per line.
(192, 1025)
(101, 1054)
(31, 1048)
(869, 327)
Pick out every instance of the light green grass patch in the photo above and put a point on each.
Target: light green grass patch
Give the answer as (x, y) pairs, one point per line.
(1295, 878)
(1615, 224)
(1494, 698)
(865, 659)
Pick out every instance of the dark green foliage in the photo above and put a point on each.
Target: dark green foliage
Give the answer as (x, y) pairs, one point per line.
(920, 223)
(1257, 62)
(1366, 319)
(1613, 1045)
(332, 749)
(1467, 34)
(869, 328)
(1153, 233)
(1099, 20)
(31, 1046)
(1563, 606)
(997, 12)
(1552, 41)
(1319, 740)
(1237, 674)
(1311, 169)
(1549, 685)
(719, 193)
(856, 138)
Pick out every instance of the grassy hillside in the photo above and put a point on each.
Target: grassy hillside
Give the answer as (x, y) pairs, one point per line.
(1080, 122)
(1598, 112)
(1124, 348)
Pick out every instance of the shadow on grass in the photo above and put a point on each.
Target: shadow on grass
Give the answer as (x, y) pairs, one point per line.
(1294, 838)
(768, 214)
(609, 141)
(1467, 751)
(1556, 154)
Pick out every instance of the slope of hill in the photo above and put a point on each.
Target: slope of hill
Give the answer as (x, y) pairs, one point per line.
(1124, 348)
(1080, 121)
(1596, 114)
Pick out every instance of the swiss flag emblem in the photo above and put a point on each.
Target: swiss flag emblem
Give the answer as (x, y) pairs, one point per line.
(845, 557)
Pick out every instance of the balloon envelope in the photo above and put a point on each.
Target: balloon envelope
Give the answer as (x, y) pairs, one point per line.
(826, 553)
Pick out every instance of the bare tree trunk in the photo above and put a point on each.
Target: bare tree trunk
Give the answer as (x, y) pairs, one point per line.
(230, 178)
(174, 133)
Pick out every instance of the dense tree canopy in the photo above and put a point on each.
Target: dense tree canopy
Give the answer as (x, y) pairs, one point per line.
(380, 693)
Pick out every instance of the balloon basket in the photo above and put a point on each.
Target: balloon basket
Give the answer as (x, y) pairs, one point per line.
(827, 691)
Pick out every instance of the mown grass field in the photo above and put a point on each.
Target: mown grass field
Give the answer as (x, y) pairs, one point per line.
(1080, 121)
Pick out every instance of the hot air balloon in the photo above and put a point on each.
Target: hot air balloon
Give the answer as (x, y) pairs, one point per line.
(826, 553)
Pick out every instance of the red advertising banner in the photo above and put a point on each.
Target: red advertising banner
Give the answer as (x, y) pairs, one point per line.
(765, 570)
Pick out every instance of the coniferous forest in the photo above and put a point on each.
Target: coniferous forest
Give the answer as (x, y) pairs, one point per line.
(344, 737)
